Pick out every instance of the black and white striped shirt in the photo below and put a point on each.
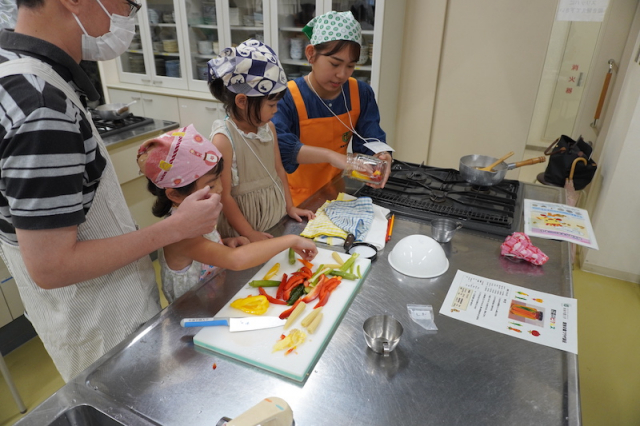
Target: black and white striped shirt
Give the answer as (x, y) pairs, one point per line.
(50, 165)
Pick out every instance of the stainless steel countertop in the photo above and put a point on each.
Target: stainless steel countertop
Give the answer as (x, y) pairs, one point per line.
(141, 132)
(460, 375)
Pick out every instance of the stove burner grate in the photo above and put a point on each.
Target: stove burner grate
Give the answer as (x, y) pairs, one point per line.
(420, 206)
(425, 193)
(112, 127)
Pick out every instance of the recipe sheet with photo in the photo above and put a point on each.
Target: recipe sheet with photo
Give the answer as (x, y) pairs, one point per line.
(520, 312)
(558, 222)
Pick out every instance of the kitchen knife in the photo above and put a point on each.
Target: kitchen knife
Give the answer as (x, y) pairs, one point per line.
(235, 324)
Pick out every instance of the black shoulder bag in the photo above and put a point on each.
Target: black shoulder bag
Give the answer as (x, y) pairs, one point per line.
(564, 153)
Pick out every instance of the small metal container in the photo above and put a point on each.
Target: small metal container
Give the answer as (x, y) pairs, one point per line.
(382, 333)
(442, 230)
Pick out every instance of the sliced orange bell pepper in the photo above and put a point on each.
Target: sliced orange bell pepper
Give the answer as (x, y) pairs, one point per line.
(306, 263)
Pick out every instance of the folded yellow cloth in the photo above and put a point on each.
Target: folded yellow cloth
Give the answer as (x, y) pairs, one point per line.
(322, 225)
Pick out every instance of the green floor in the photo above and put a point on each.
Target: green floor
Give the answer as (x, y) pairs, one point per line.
(609, 348)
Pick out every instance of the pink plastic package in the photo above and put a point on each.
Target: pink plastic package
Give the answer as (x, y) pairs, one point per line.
(519, 245)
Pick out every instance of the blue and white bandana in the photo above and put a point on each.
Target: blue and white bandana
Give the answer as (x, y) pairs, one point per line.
(252, 69)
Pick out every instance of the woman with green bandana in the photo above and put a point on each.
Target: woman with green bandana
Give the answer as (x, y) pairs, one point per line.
(325, 110)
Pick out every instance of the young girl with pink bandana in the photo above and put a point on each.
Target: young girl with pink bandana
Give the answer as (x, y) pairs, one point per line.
(181, 162)
(249, 81)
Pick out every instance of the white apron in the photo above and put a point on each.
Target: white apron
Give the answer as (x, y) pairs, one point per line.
(79, 323)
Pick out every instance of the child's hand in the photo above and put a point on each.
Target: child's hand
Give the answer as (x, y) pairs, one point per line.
(306, 248)
(258, 236)
(198, 213)
(236, 241)
(297, 214)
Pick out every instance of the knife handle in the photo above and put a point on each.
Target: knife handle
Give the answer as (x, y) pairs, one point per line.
(203, 322)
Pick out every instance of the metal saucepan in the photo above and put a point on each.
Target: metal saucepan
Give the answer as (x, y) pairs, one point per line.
(116, 111)
(469, 169)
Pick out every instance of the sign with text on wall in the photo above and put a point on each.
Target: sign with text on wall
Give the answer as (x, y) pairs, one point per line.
(535, 316)
(582, 10)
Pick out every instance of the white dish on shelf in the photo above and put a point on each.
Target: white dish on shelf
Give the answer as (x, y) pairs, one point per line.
(154, 18)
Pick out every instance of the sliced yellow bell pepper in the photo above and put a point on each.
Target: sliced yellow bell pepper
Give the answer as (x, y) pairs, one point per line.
(295, 338)
(356, 174)
(255, 305)
(272, 272)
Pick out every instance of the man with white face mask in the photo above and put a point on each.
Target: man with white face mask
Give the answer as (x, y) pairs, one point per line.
(66, 234)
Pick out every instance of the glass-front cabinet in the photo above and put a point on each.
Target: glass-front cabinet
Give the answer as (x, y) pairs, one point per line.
(132, 61)
(175, 38)
(210, 26)
(246, 20)
(293, 15)
(155, 56)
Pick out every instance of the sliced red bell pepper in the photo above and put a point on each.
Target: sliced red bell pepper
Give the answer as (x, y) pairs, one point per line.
(303, 272)
(323, 301)
(270, 298)
(326, 290)
(293, 281)
(306, 271)
(328, 282)
(315, 292)
(280, 291)
(285, 314)
(313, 295)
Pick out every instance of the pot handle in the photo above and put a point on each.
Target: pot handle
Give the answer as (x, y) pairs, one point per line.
(528, 162)
(125, 108)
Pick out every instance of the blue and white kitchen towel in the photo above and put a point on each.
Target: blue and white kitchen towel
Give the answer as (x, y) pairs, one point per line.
(355, 216)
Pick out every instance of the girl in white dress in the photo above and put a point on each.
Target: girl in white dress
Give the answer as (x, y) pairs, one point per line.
(249, 81)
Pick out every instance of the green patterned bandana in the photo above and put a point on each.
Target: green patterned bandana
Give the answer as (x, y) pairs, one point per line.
(333, 26)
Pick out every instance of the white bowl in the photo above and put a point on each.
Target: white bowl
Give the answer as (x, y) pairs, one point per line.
(419, 256)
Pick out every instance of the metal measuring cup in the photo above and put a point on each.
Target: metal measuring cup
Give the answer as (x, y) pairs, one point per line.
(442, 229)
(382, 333)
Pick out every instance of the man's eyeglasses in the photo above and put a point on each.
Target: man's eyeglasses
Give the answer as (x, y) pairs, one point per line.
(134, 7)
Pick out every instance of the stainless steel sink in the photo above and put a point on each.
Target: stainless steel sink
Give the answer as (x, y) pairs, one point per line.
(77, 404)
(84, 415)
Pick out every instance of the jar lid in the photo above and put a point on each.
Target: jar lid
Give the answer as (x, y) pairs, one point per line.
(366, 250)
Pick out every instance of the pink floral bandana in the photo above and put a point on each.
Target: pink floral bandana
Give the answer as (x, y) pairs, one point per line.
(177, 158)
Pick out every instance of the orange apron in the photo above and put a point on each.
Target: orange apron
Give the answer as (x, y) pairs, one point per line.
(327, 132)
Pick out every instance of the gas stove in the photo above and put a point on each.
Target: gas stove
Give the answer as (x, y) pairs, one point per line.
(424, 192)
(111, 127)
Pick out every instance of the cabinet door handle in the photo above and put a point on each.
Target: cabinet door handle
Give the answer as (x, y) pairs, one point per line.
(157, 82)
(147, 99)
(209, 108)
(136, 98)
(146, 80)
